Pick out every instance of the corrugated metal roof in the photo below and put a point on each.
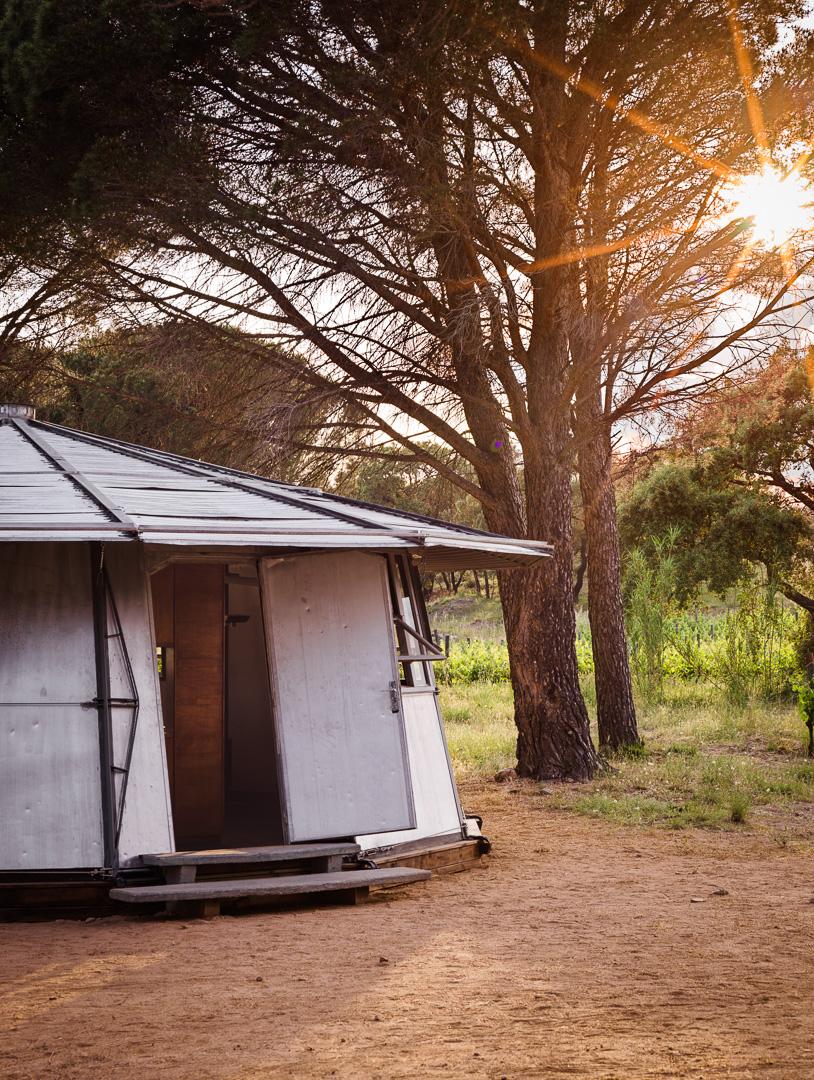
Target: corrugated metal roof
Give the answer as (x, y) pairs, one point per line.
(60, 484)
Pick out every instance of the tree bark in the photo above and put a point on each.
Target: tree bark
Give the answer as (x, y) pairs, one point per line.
(803, 601)
(616, 712)
(553, 740)
(554, 737)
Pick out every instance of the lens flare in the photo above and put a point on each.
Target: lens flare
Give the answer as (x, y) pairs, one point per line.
(776, 206)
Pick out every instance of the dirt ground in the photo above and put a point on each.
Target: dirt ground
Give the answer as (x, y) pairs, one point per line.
(582, 950)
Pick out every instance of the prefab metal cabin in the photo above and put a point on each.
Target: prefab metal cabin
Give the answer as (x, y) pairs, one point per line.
(192, 657)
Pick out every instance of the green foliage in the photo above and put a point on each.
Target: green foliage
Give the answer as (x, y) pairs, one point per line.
(804, 689)
(739, 806)
(650, 587)
(719, 530)
(488, 662)
(742, 494)
(762, 428)
(205, 392)
(89, 102)
(585, 655)
(749, 654)
(472, 662)
(756, 656)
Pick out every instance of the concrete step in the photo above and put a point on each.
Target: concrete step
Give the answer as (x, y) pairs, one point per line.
(208, 894)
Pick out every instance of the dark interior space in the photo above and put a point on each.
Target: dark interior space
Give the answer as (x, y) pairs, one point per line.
(252, 812)
(216, 703)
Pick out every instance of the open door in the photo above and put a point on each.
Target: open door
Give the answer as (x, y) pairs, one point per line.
(337, 705)
(188, 606)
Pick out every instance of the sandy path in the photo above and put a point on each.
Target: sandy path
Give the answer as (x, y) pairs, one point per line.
(576, 953)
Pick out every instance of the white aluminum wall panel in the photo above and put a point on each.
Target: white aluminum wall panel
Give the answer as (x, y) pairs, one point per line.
(331, 650)
(436, 804)
(147, 819)
(50, 795)
(46, 625)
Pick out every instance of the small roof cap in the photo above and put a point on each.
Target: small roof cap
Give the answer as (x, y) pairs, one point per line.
(25, 412)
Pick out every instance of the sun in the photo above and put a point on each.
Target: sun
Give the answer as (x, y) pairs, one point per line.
(776, 205)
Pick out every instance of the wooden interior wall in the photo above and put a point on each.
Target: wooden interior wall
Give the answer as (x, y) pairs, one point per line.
(188, 601)
(162, 587)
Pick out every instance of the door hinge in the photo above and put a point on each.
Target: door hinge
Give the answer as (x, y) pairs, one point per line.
(395, 697)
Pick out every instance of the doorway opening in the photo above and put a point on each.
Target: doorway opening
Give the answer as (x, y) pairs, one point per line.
(216, 702)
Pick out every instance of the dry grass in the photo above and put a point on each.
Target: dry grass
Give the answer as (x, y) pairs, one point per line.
(703, 762)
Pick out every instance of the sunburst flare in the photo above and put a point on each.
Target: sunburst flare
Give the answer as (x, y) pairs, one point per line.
(776, 205)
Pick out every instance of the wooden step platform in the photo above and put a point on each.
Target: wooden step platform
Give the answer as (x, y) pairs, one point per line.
(204, 897)
(182, 866)
(444, 858)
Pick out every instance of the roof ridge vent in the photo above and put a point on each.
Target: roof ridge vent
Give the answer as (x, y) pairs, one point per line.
(21, 412)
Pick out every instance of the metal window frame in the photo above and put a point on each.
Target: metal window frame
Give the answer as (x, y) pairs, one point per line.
(404, 583)
(104, 607)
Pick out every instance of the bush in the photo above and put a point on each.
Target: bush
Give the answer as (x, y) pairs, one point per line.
(756, 654)
(749, 654)
(474, 661)
(585, 656)
(803, 687)
(650, 588)
(488, 661)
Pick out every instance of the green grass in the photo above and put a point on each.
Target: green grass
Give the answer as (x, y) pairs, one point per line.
(703, 763)
(479, 725)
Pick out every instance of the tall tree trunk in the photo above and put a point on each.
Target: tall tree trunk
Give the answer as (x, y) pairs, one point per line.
(553, 740)
(616, 712)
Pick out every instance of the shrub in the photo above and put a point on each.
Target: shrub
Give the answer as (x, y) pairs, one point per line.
(585, 656)
(650, 586)
(474, 661)
(803, 686)
(749, 654)
(756, 656)
(739, 807)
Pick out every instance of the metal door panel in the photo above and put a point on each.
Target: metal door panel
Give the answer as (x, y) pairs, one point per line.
(342, 747)
(436, 803)
(146, 823)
